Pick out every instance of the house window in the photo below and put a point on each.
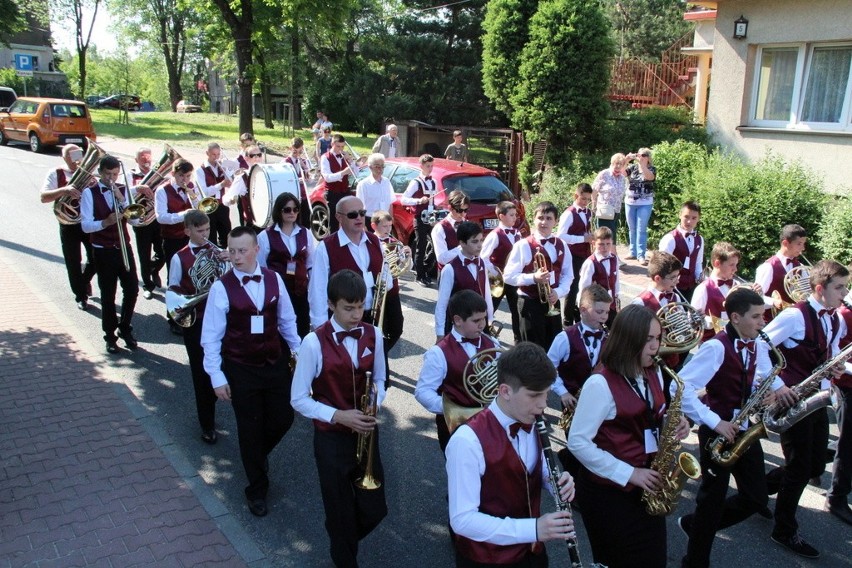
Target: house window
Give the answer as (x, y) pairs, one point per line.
(804, 87)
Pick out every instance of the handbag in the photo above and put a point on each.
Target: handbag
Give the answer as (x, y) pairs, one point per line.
(605, 211)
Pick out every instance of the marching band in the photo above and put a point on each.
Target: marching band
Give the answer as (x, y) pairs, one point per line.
(274, 321)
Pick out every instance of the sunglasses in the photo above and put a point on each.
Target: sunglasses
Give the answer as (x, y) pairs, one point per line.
(255, 155)
(290, 209)
(645, 155)
(356, 214)
(465, 210)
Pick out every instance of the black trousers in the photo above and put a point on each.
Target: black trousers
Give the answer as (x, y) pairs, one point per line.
(570, 311)
(804, 446)
(170, 248)
(511, 294)
(391, 328)
(111, 272)
(443, 432)
(79, 275)
(331, 198)
(841, 482)
(424, 232)
(621, 532)
(537, 326)
(351, 513)
(713, 512)
(220, 225)
(261, 400)
(531, 561)
(205, 397)
(148, 240)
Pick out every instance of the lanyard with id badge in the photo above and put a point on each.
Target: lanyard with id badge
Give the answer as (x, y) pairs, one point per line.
(256, 323)
(651, 434)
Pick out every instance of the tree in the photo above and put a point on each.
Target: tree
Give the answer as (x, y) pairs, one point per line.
(12, 22)
(75, 11)
(506, 32)
(564, 75)
(646, 28)
(239, 17)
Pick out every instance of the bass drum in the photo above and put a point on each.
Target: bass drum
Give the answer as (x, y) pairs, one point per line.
(266, 182)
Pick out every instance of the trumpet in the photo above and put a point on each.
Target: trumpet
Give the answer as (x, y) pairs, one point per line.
(544, 289)
(366, 445)
(353, 157)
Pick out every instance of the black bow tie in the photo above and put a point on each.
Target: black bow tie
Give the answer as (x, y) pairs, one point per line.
(195, 249)
(338, 156)
(727, 283)
(253, 277)
(428, 178)
(550, 240)
(510, 231)
(105, 189)
(583, 210)
(469, 261)
(830, 313)
(354, 333)
(742, 345)
(790, 261)
(689, 234)
(596, 335)
(474, 342)
(513, 428)
(668, 296)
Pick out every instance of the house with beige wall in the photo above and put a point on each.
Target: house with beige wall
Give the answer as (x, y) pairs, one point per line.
(786, 87)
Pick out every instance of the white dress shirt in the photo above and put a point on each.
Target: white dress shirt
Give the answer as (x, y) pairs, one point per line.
(176, 268)
(465, 468)
(161, 206)
(492, 241)
(764, 273)
(51, 181)
(87, 210)
(215, 320)
(214, 190)
(565, 221)
(439, 243)
(328, 175)
(560, 351)
(699, 301)
(587, 271)
(376, 195)
(309, 367)
(595, 405)
(667, 243)
(429, 190)
(238, 189)
(445, 289)
(289, 242)
(522, 255)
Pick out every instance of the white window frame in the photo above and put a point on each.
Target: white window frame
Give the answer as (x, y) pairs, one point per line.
(803, 69)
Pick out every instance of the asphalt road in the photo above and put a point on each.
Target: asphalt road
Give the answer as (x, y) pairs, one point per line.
(415, 532)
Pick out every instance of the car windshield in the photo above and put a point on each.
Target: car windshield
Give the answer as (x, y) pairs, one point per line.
(71, 111)
(480, 189)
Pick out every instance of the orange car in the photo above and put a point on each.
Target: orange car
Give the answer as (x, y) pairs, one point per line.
(46, 122)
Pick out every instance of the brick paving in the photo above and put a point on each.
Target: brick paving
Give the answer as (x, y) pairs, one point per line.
(81, 481)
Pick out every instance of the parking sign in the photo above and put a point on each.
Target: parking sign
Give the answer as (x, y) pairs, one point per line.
(24, 64)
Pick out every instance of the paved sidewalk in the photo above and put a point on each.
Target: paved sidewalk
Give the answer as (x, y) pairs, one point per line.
(82, 483)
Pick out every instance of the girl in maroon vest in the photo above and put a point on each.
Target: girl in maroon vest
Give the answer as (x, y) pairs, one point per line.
(836, 500)
(330, 379)
(770, 275)
(807, 334)
(496, 248)
(575, 229)
(288, 249)
(688, 246)
(615, 436)
(382, 222)
(495, 472)
(726, 368)
(602, 268)
(238, 192)
(444, 239)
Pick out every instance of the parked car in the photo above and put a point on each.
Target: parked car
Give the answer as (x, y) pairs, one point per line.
(46, 122)
(186, 106)
(483, 186)
(93, 100)
(7, 97)
(130, 102)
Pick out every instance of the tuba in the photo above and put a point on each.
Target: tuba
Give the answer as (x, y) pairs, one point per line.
(675, 466)
(366, 445)
(153, 178)
(480, 382)
(206, 269)
(539, 262)
(67, 209)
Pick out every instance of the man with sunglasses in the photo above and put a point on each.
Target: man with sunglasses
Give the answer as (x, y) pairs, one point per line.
(375, 190)
(351, 247)
(445, 243)
(238, 192)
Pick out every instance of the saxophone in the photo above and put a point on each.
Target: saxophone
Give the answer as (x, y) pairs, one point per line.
(673, 465)
(726, 454)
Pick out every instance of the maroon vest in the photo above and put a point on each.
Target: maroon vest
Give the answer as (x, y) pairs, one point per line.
(174, 204)
(186, 286)
(846, 380)
(812, 350)
(650, 300)
(577, 368)
(463, 280)
(624, 435)
(779, 271)
(340, 258)
(506, 490)
(579, 228)
(419, 192)
(337, 382)
(212, 179)
(681, 252)
(731, 385)
(341, 186)
(61, 178)
(449, 233)
(245, 203)
(456, 361)
(239, 344)
(600, 276)
(107, 237)
(715, 305)
(554, 267)
(500, 254)
(279, 256)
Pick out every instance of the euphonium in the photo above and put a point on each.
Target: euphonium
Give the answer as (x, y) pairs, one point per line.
(480, 382)
(155, 177)
(726, 454)
(672, 464)
(206, 269)
(67, 209)
(366, 444)
(544, 289)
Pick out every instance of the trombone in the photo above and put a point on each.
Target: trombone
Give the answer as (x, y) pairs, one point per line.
(208, 205)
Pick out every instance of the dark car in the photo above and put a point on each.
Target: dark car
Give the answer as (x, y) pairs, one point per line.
(130, 102)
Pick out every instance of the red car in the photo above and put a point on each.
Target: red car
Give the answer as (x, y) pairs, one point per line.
(483, 186)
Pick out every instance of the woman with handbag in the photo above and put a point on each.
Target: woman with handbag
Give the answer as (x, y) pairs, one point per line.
(641, 175)
(608, 191)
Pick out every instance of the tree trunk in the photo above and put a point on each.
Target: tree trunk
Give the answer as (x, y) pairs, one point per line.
(245, 83)
(265, 90)
(294, 78)
(174, 48)
(81, 64)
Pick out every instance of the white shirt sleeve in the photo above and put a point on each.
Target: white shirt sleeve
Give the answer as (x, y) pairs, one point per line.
(317, 287)
(439, 245)
(432, 374)
(308, 367)
(559, 351)
(325, 170)
(566, 275)
(212, 332)
(699, 302)
(263, 248)
(445, 288)
(175, 271)
(789, 324)
(699, 261)
(586, 273)
(87, 212)
(489, 244)
(51, 182)
(697, 372)
(287, 317)
(407, 198)
(763, 277)
(519, 257)
(667, 243)
(161, 208)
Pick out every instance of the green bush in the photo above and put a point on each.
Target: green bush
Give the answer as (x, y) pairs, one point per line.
(633, 129)
(835, 233)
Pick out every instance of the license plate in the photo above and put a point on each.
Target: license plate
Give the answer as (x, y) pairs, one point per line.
(74, 140)
(490, 223)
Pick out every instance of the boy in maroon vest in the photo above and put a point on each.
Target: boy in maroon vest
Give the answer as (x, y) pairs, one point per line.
(335, 170)
(726, 368)
(420, 194)
(542, 321)
(496, 248)
(444, 240)
(770, 275)
(466, 271)
(212, 181)
(197, 228)
(248, 336)
(382, 222)
(664, 271)
(299, 160)
(836, 500)
(602, 268)
(148, 238)
(688, 246)
(575, 229)
(443, 364)
(495, 472)
(808, 335)
(330, 381)
(100, 209)
(238, 192)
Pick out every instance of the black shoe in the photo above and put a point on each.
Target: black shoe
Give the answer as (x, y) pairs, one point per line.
(175, 328)
(89, 289)
(258, 507)
(112, 346)
(129, 340)
(83, 305)
(797, 544)
(685, 524)
(423, 281)
(209, 437)
(816, 481)
(765, 512)
(156, 281)
(147, 294)
(839, 509)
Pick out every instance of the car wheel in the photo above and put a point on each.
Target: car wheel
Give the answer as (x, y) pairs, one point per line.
(319, 221)
(3, 139)
(35, 143)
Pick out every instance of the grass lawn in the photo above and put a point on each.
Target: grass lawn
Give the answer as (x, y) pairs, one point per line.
(197, 129)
